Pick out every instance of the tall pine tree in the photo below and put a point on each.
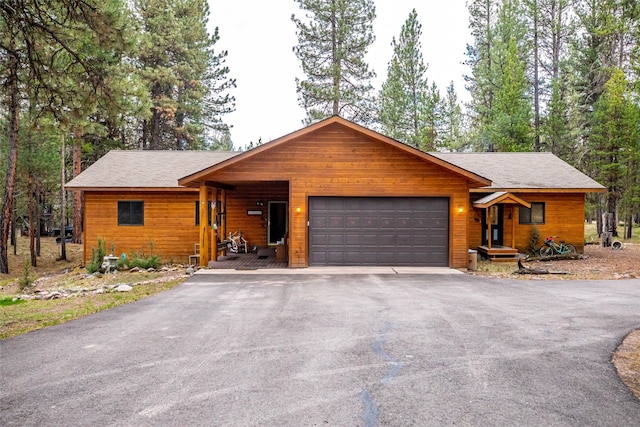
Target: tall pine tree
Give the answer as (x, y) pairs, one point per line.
(333, 40)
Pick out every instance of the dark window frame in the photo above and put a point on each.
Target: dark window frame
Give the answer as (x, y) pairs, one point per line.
(128, 215)
(210, 210)
(529, 216)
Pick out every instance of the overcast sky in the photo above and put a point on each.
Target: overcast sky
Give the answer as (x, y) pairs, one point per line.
(259, 36)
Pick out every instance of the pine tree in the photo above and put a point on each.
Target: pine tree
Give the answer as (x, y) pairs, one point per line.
(408, 106)
(614, 137)
(187, 81)
(452, 125)
(332, 43)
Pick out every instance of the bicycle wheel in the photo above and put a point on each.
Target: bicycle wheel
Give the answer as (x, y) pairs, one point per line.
(570, 249)
(546, 251)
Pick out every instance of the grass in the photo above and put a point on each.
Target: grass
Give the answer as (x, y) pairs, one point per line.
(27, 316)
(22, 316)
(591, 233)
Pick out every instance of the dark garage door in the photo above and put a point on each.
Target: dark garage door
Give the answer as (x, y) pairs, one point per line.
(379, 231)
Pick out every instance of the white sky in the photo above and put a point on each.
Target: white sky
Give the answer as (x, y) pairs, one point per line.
(259, 36)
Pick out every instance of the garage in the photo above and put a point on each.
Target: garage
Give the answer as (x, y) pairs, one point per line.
(407, 231)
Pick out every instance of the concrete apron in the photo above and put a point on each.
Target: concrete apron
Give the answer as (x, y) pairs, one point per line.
(332, 270)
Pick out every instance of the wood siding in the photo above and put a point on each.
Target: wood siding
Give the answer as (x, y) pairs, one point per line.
(169, 224)
(337, 161)
(564, 217)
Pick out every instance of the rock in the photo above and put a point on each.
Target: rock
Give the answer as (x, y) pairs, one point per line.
(134, 270)
(151, 269)
(53, 295)
(190, 271)
(98, 291)
(124, 288)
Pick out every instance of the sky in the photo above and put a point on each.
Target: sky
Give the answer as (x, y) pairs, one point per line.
(259, 37)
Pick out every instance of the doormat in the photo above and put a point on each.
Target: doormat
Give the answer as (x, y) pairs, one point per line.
(247, 268)
(263, 257)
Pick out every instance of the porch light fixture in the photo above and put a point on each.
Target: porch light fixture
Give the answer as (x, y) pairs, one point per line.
(460, 209)
(298, 209)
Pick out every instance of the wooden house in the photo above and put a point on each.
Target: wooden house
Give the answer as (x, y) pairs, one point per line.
(335, 193)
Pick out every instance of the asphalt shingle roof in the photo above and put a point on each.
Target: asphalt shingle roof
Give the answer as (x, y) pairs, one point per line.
(510, 171)
(146, 169)
(162, 169)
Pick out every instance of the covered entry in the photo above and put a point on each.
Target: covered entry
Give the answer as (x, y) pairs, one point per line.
(379, 231)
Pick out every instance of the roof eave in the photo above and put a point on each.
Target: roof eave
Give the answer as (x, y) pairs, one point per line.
(536, 190)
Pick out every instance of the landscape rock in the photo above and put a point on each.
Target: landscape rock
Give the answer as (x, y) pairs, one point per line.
(124, 288)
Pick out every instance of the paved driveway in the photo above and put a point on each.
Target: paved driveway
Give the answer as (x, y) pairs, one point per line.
(342, 350)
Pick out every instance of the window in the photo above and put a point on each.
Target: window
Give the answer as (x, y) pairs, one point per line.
(130, 212)
(535, 215)
(198, 212)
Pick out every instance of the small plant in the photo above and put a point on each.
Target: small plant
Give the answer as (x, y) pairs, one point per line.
(26, 280)
(97, 256)
(143, 262)
(534, 238)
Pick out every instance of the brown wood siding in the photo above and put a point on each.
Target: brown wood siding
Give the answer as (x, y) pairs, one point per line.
(564, 217)
(244, 198)
(337, 161)
(169, 224)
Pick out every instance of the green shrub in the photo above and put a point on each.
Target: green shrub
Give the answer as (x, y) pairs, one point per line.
(26, 280)
(534, 238)
(143, 262)
(97, 256)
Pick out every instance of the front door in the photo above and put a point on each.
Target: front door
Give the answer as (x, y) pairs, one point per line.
(495, 214)
(277, 224)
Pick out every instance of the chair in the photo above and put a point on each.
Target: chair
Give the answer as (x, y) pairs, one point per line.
(196, 255)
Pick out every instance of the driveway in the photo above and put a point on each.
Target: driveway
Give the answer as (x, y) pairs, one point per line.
(310, 350)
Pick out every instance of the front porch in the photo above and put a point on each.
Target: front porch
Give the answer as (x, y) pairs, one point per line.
(263, 259)
(499, 253)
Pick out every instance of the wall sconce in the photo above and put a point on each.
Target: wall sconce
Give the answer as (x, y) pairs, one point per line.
(298, 209)
(260, 203)
(460, 209)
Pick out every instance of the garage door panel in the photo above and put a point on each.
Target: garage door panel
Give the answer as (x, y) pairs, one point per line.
(378, 231)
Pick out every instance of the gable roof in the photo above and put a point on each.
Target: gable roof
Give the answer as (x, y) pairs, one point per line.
(192, 179)
(500, 197)
(148, 170)
(524, 172)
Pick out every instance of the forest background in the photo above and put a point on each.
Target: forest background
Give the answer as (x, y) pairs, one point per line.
(80, 77)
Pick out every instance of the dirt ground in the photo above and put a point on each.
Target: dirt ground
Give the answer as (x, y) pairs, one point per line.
(598, 264)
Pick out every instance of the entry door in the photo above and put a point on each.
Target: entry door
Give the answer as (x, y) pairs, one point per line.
(278, 221)
(496, 215)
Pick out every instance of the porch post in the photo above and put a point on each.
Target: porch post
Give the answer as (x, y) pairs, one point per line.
(489, 235)
(204, 225)
(222, 228)
(513, 226)
(214, 231)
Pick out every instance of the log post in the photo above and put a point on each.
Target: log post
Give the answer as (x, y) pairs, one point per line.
(608, 226)
(204, 225)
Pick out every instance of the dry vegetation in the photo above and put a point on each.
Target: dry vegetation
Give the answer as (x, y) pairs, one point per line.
(17, 317)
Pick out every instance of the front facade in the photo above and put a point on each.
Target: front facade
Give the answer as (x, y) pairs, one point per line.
(333, 193)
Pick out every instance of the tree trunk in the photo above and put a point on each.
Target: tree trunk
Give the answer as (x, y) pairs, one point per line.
(32, 221)
(13, 91)
(608, 225)
(63, 202)
(77, 194)
(536, 82)
(629, 230)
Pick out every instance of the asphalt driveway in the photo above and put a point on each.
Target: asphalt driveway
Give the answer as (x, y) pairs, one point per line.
(344, 350)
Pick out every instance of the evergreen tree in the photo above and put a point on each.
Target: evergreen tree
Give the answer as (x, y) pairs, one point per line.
(408, 106)
(332, 43)
(42, 45)
(452, 125)
(614, 138)
(187, 81)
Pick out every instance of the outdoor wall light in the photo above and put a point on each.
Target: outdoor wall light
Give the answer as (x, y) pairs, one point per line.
(260, 203)
(460, 208)
(298, 209)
